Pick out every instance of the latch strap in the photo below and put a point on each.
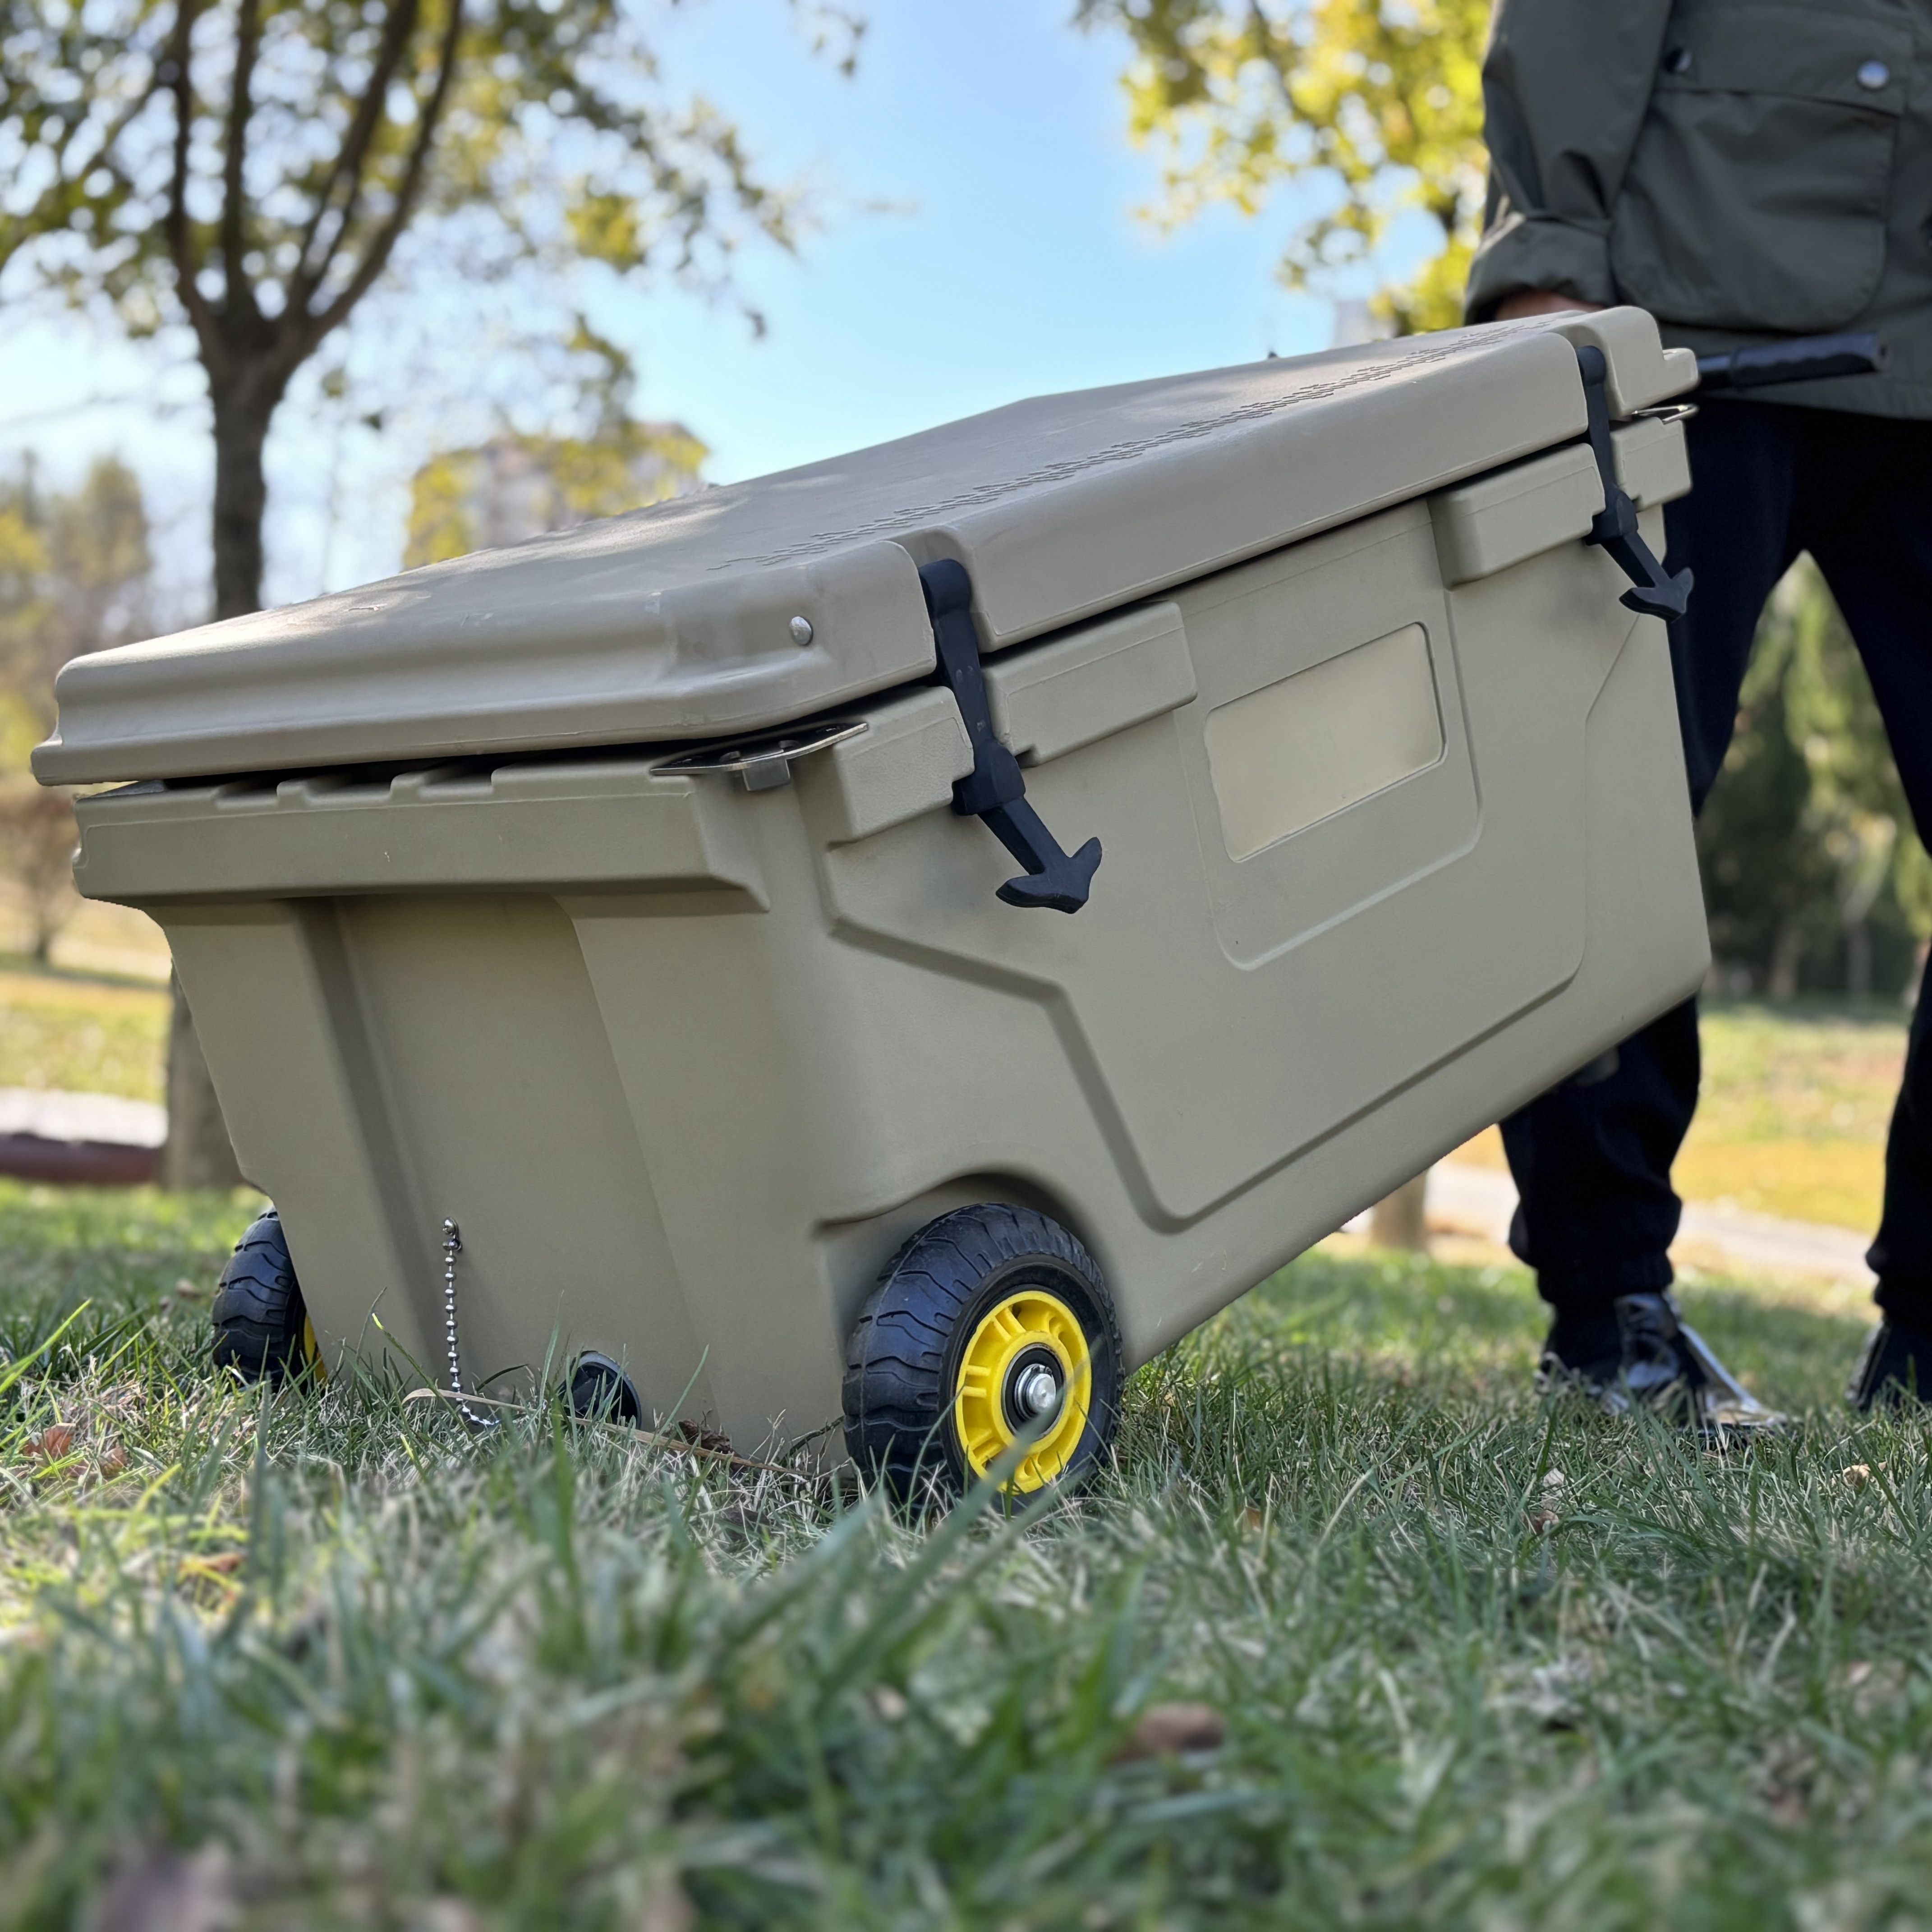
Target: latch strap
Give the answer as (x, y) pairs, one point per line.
(994, 790)
(1614, 528)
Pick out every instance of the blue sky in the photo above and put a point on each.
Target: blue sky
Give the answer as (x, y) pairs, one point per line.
(1009, 261)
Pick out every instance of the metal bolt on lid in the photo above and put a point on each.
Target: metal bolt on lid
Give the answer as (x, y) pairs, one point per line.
(801, 631)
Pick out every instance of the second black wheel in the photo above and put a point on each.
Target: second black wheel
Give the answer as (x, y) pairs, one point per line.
(599, 1391)
(991, 1325)
(261, 1325)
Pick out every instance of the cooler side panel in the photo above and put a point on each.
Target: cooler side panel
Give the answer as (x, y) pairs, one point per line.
(508, 1119)
(1641, 896)
(276, 1017)
(1225, 1015)
(1263, 1061)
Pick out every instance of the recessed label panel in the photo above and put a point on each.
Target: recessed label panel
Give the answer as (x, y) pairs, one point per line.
(1295, 752)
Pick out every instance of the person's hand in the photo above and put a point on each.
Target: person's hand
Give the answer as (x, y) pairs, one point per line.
(1541, 301)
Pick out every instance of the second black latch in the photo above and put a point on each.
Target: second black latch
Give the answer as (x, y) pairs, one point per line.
(1615, 526)
(994, 789)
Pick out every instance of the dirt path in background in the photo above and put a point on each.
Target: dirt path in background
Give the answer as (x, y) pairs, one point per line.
(1479, 1202)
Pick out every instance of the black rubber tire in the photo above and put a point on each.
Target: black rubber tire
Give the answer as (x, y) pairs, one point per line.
(259, 1317)
(902, 1362)
(600, 1391)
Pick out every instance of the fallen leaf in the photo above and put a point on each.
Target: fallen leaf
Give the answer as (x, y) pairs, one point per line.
(1857, 1475)
(1551, 1693)
(667, 1906)
(1543, 1514)
(53, 1442)
(1169, 1730)
(113, 1460)
(161, 1890)
(1873, 1686)
(223, 1563)
(447, 1914)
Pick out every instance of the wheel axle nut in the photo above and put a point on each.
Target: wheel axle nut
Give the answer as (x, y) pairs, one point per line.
(1037, 1392)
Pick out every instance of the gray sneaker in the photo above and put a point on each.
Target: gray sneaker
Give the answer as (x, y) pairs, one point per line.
(1660, 1364)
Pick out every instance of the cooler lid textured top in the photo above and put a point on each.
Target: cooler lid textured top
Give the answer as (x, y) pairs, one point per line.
(679, 623)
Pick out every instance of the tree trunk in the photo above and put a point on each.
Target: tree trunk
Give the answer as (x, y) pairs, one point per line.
(1787, 950)
(240, 498)
(1915, 985)
(1401, 1220)
(198, 1153)
(1857, 958)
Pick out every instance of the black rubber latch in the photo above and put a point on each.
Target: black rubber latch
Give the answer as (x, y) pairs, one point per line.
(1614, 527)
(994, 790)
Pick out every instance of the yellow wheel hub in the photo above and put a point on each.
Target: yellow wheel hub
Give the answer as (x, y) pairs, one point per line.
(1026, 1360)
(311, 1350)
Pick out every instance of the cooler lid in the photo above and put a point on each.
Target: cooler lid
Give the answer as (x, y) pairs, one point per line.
(681, 622)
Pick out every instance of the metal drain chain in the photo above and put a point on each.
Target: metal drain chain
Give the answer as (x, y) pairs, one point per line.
(452, 1246)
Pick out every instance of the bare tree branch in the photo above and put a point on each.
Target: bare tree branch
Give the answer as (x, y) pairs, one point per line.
(181, 242)
(376, 257)
(247, 42)
(350, 158)
(111, 135)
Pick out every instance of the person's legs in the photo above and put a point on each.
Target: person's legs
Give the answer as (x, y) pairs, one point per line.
(1898, 1358)
(1865, 513)
(1591, 1159)
(1592, 1156)
(1901, 1256)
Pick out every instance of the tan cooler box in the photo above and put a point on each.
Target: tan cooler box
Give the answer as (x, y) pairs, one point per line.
(886, 948)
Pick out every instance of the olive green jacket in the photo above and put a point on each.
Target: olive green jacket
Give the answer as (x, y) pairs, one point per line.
(1744, 168)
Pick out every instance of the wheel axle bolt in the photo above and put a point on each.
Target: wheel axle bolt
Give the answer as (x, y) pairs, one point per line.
(1037, 1392)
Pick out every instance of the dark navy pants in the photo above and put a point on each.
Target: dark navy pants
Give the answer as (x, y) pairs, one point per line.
(1592, 1157)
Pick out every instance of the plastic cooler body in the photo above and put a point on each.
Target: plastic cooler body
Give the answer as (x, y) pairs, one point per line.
(1396, 835)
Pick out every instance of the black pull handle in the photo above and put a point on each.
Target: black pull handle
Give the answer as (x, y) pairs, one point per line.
(994, 790)
(1807, 358)
(1614, 527)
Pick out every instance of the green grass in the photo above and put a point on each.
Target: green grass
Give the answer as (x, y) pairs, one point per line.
(74, 1031)
(1792, 1118)
(363, 1669)
(1795, 1104)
